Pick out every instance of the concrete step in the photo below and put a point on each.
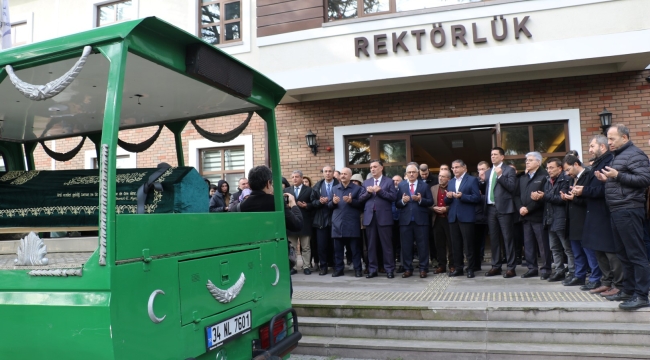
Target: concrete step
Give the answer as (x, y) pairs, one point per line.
(479, 331)
(460, 350)
(603, 312)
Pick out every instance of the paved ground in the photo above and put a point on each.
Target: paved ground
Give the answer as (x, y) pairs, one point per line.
(312, 357)
(436, 288)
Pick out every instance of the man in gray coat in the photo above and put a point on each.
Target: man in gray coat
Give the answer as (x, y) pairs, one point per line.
(626, 182)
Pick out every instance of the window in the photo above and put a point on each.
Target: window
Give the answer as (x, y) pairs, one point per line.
(19, 34)
(114, 12)
(220, 21)
(348, 9)
(226, 163)
(122, 162)
(550, 140)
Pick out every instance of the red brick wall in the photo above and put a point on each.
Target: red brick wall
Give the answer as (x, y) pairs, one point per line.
(626, 95)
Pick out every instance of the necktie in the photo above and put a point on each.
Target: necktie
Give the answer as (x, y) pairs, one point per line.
(412, 189)
(329, 190)
(297, 191)
(493, 184)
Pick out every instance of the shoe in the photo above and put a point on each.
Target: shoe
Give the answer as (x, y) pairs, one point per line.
(621, 296)
(407, 274)
(390, 275)
(323, 271)
(306, 271)
(599, 290)
(400, 269)
(610, 292)
(493, 272)
(337, 273)
(358, 273)
(545, 276)
(567, 277)
(634, 303)
(590, 285)
(440, 270)
(452, 269)
(349, 262)
(470, 273)
(575, 281)
(293, 271)
(371, 275)
(365, 271)
(382, 270)
(509, 274)
(456, 273)
(530, 273)
(556, 276)
(423, 274)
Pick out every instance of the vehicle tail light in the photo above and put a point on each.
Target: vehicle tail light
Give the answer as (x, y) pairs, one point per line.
(279, 333)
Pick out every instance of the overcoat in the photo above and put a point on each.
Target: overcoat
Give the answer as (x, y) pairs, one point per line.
(597, 233)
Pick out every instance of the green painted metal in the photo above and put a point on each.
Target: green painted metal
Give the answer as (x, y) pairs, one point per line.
(177, 129)
(103, 313)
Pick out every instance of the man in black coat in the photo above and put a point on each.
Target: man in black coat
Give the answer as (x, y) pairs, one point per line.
(321, 194)
(576, 215)
(532, 214)
(555, 218)
(302, 195)
(500, 183)
(242, 184)
(597, 233)
(627, 180)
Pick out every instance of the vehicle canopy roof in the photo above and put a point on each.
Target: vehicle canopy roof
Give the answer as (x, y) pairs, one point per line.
(169, 76)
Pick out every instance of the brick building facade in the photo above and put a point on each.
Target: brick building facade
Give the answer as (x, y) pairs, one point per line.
(626, 95)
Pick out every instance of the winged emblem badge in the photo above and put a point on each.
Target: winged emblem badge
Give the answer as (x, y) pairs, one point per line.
(228, 295)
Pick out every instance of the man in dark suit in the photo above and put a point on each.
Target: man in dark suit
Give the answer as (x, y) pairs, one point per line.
(462, 196)
(378, 218)
(576, 214)
(413, 200)
(302, 195)
(500, 210)
(321, 194)
(532, 214)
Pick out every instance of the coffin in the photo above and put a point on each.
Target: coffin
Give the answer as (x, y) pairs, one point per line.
(70, 198)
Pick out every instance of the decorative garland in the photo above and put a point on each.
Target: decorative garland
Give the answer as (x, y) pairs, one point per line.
(103, 205)
(63, 156)
(56, 272)
(225, 137)
(143, 146)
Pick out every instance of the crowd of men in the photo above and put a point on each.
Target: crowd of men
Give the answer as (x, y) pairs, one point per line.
(585, 222)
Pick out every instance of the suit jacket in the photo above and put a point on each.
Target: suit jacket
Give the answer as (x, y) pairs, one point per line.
(504, 189)
(434, 196)
(418, 211)
(346, 217)
(526, 186)
(463, 209)
(304, 195)
(577, 208)
(379, 204)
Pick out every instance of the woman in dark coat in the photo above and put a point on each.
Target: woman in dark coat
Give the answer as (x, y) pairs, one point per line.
(220, 200)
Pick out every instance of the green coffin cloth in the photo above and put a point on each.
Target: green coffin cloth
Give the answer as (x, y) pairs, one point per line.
(71, 197)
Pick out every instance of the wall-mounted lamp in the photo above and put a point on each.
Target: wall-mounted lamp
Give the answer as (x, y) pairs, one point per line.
(605, 120)
(311, 142)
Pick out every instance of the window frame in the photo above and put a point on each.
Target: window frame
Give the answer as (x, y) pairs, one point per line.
(222, 172)
(393, 9)
(98, 5)
(222, 23)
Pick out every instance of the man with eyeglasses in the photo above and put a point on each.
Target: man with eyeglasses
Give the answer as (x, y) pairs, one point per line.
(413, 200)
(532, 215)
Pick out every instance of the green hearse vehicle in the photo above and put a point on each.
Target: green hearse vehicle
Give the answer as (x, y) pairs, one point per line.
(163, 278)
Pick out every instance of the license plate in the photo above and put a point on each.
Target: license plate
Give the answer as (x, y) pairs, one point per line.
(219, 334)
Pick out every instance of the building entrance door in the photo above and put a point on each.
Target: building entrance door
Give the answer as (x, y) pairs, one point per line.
(435, 149)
